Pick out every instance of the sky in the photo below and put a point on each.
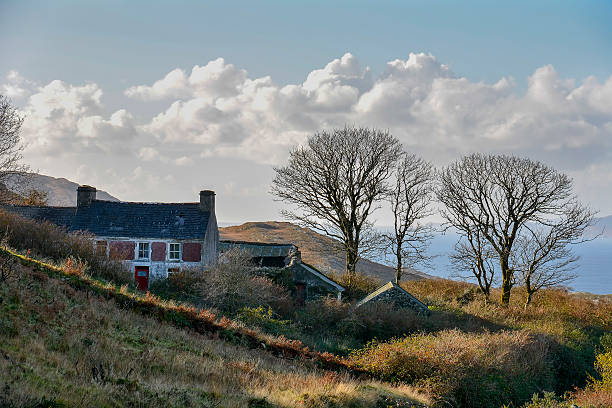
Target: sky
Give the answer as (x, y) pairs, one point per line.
(154, 101)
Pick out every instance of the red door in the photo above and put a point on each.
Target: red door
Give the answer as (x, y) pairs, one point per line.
(141, 275)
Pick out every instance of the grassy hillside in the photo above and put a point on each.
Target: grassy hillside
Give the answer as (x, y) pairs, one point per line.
(67, 346)
(68, 337)
(317, 249)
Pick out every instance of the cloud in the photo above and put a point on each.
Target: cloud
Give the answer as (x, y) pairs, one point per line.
(148, 153)
(16, 86)
(420, 100)
(184, 161)
(217, 111)
(215, 79)
(173, 85)
(62, 118)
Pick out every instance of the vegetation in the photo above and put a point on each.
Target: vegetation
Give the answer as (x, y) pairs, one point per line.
(504, 205)
(410, 199)
(335, 182)
(48, 241)
(65, 342)
(100, 343)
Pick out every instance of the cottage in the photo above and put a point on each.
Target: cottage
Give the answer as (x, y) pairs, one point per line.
(154, 239)
(158, 239)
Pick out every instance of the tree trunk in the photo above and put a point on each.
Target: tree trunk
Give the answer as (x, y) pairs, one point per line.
(351, 264)
(529, 298)
(398, 267)
(506, 280)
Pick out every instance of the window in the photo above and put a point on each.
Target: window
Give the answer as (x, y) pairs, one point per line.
(172, 271)
(174, 252)
(101, 248)
(143, 250)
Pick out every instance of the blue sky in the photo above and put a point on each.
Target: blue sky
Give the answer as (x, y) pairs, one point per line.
(524, 60)
(115, 42)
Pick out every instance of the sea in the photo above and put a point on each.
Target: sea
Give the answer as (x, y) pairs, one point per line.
(593, 272)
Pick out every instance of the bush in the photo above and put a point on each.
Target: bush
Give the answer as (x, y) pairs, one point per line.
(382, 321)
(264, 319)
(598, 393)
(475, 370)
(47, 240)
(357, 286)
(230, 285)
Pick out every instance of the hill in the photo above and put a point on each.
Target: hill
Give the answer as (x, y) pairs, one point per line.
(603, 226)
(70, 337)
(64, 344)
(317, 250)
(60, 191)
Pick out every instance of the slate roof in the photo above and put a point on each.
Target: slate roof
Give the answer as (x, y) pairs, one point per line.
(319, 275)
(125, 219)
(257, 249)
(393, 292)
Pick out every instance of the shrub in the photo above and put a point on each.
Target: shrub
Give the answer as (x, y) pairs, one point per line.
(547, 400)
(598, 393)
(475, 370)
(326, 317)
(380, 320)
(322, 314)
(264, 319)
(50, 241)
(232, 284)
(603, 365)
(357, 286)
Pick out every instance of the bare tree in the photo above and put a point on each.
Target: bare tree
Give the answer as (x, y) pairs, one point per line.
(11, 147)
(543, 257)
(335, 181)
(473, 253)
(409, 200)
(499, 196)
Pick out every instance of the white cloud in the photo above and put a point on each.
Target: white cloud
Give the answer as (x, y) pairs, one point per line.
(184, 161)
(215, 79)
(16, 86)
(173, 85)
(419, 99)
(148, 153)
(217, 111)
(61, 117)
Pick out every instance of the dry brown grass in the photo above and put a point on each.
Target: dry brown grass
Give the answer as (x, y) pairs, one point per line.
(48, 241)
(470, 369)
(65, 346)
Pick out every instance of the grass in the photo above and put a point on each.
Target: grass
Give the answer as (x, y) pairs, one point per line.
(64, 343)
(68, 336)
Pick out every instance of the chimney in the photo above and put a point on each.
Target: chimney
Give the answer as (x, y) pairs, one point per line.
(85, 195)
(207, 201)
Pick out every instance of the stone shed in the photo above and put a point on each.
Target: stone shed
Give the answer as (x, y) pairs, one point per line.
(392, 293)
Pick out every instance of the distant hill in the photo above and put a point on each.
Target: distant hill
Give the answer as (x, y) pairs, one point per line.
(605, 224)
(316, 249)
(61, 192)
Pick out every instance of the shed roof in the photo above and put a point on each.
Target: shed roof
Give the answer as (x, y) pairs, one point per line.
(258, 249)
(319, 275)
(392, 287)
(125, 219)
